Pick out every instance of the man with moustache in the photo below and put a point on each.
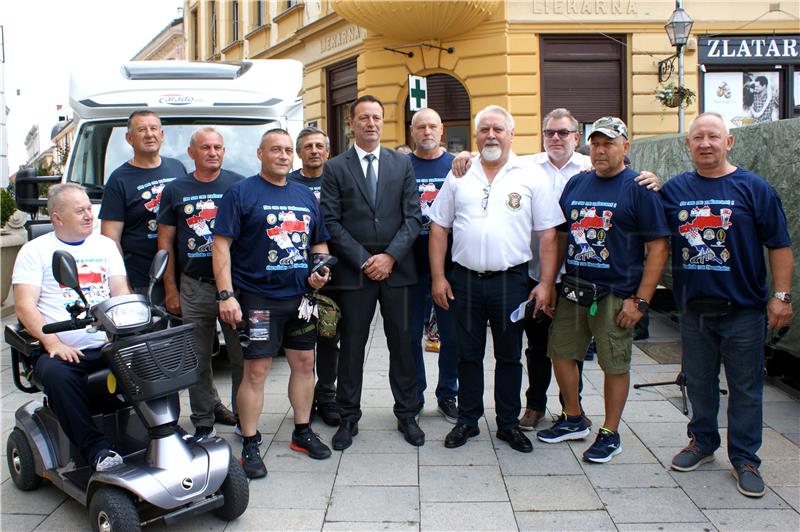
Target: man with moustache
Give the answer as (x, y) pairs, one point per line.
(266, 233)
(132, 196)
(611, 222)
(186, 215)
(372, 211)
(493, 211)
(313, 148)
(68, 357)
(722, 293)
(431, 164)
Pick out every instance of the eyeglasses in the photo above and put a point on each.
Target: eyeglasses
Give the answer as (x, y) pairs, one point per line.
(563, 133)
(485, 200)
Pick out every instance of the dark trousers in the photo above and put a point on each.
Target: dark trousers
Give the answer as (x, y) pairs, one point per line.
(492, 299)
(358, 309)
(540, 368)
(326, 365)
(65, 387)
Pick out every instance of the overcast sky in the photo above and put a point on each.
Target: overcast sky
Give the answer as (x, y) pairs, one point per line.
(45, 39)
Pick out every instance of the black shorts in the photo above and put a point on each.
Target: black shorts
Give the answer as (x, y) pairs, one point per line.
(273, 323)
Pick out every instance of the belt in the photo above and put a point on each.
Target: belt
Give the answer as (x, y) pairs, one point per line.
(485, 275)
(209, 280)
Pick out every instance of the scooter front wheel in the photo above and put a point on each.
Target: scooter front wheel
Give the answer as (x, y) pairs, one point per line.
(236, 490)
(20, 462)
(112, 510)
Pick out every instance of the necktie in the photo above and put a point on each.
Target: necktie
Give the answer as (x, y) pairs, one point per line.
(372, 179)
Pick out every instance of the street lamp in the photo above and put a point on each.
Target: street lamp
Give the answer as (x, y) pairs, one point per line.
(678, 28)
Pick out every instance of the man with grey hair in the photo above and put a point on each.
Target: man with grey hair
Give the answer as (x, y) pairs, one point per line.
(313, 148)
(68, 357)
(493, 211)
(186, 216)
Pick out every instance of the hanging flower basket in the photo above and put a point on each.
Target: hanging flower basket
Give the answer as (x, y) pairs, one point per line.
(673, 96)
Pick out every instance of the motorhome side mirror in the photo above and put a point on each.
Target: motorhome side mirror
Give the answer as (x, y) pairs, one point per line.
(65, 270)
(159, 265)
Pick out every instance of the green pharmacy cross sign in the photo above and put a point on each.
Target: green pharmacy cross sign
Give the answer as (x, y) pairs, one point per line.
(417, 92)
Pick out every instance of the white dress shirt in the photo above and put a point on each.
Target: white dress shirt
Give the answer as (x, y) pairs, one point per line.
(497, 237)
(375, 164)
(557, 178)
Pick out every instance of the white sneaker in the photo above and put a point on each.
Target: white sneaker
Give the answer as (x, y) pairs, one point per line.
(108, 459)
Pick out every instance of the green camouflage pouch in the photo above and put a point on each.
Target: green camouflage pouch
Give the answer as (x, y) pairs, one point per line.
(328, 314)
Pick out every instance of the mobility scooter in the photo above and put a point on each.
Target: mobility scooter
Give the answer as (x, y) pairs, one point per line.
(134, 402)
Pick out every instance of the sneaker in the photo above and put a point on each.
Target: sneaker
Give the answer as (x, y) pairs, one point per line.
(605, 446)
(530, 419)
(108, 459)
(307, 442)
(690, 458)
(185, 436)
(201, 433)
(251, 461)
(748, 480)
(238, 431)
(564, 429)
(448, 409)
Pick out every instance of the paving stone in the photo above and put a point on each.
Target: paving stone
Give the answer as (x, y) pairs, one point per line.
(458, 516)
(615, 475)
(292, 490)
(782, 416)
(590, 520)
(790, 494)
(735, 520)
(660, 434)
(782, 472)
(476, 452)
(461, 484)
(377, 419)
(546, 459)
(776, 446)
(377, 470)
(659, 505)
(41, 501)
(370, 526)
(656, 411)
(278, 520)
(377, 397)
(374, 504)
(717, 490)
(552, 493)
(705, 526)
(69, 516)
(20, 522)
(380, 442)
(794, 437)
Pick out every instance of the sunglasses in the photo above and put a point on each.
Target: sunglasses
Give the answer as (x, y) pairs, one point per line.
(485, 200)
(563, 133)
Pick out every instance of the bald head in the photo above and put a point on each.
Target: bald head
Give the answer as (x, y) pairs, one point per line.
(709, 142)
(427, 130)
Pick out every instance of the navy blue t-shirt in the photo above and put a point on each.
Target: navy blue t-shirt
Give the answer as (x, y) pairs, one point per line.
(191, 206)
(719, 226)
(609, 220)
(314, 184)
(430, 175)
(272, 228)
(132, 195)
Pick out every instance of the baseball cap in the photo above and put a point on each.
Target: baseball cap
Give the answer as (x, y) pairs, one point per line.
(610, 126)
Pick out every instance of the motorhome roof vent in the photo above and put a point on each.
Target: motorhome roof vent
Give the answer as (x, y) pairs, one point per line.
(196, 70)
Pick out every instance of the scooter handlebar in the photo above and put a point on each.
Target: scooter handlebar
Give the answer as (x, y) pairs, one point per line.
(66, 325)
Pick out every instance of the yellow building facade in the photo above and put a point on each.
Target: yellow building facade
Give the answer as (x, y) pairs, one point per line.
(595, 57)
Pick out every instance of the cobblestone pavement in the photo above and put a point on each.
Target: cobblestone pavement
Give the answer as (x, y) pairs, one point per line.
(382, 483)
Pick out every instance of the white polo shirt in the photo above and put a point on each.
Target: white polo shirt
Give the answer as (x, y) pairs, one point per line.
(497, 237)
(557, 178)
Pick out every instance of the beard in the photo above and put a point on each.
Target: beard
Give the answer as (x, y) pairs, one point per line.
(428, 145)
(491, 154)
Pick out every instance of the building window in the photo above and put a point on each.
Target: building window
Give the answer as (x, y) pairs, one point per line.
(291, 3)
(234, 21)
(342, 91)
(260, 14)
(195, 36)
(213, 6)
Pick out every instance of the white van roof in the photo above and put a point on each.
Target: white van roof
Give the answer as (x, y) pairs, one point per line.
(257, 88)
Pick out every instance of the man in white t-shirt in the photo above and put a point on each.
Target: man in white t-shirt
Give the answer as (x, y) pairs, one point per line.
(493, 211)
(69, 356)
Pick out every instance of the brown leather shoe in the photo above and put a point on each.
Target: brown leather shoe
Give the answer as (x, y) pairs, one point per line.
(224, 416)
(530, 419)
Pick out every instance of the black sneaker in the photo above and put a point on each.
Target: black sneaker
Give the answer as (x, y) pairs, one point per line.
(448, 409)
(107, 459)
(238, 431)
(251, 461)
(329, 414)
(307, 442)
(564, 429)
(202, 433)
(606, 446)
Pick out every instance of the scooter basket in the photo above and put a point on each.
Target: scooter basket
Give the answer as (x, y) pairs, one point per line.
(154, 364)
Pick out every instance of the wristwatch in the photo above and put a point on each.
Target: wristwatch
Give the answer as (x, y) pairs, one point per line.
(786, 297)
(224, 294)
(641, 304)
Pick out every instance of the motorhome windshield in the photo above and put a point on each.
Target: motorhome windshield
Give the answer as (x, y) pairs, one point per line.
(100, 147)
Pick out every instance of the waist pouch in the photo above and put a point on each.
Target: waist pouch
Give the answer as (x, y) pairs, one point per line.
(328, 315)
(710, 307)
(584, 293)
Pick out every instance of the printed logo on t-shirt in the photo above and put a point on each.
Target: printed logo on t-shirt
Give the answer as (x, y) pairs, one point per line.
(589, 230)
(93, 279)
(428, 190)
(152, 197)
(514, 201)
(706, 234)
(201, 220)
(291, 236)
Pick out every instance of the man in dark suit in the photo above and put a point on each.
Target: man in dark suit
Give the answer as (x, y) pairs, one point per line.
(372, 212)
